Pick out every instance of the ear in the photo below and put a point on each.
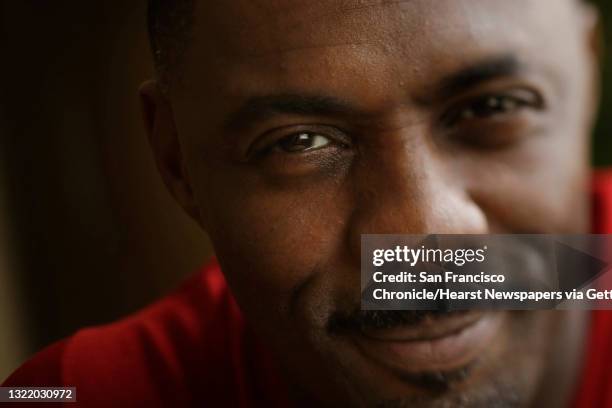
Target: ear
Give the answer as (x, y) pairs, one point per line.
(166, 147)
(594, 28)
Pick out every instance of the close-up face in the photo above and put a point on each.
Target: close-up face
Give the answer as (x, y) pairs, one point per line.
(294, 127)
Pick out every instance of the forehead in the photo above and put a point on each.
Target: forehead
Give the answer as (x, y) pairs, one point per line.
(247, 46)
(247, 27)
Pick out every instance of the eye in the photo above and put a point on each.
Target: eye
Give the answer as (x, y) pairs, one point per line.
(301, 150)
(493, 105)
(299, 140)
(302, 142)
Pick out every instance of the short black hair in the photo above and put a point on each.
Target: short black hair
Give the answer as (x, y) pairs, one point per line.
(169, 23)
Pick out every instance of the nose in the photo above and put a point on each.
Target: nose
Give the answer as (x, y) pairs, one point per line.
(404, 187)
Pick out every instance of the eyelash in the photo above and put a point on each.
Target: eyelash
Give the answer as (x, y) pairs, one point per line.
(490, 105)
(332, 136)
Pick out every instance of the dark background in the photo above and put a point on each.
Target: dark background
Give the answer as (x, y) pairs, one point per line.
(602, 147)
(87, 233)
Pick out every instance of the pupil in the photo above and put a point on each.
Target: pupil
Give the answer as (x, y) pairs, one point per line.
(490, 105)
(303, 138)
(297, 143)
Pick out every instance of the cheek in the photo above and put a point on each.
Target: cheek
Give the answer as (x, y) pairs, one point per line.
(541, 189)
(271, 240)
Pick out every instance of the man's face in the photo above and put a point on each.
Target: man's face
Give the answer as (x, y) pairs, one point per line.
(304, 124)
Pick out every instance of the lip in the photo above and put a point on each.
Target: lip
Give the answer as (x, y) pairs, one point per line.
(436, 345)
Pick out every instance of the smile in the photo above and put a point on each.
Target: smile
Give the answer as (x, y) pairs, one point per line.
(435, 345)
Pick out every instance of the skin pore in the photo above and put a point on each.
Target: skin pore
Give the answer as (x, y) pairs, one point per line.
(296, 126)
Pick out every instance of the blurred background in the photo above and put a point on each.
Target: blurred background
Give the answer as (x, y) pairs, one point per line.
(87, 232)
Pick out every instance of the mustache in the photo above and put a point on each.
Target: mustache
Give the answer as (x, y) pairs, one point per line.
(357, 320)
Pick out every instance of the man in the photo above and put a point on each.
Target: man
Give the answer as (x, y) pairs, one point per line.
(287, 130)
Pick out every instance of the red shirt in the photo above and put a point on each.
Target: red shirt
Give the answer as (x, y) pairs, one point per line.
(194, 348)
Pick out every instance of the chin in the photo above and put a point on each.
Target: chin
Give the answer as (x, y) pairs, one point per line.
(494, 359)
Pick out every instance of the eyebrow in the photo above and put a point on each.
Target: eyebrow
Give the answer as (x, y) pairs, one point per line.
(474, 74)
(263, 107)
(260, 108)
